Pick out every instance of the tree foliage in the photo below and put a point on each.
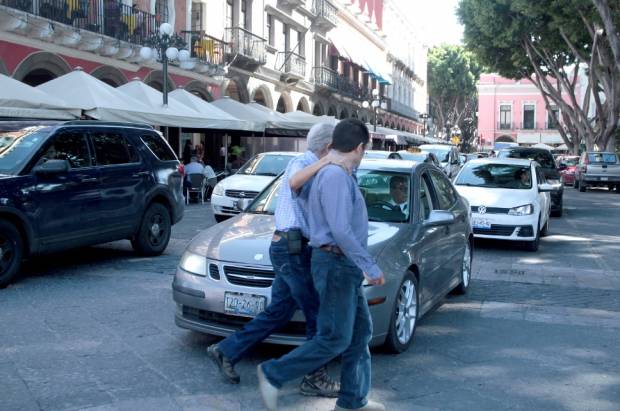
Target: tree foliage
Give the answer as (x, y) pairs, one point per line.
(452, 76)
(551, 42)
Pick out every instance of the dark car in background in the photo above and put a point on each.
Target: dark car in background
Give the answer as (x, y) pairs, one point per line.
(548, 166)
(80, 183)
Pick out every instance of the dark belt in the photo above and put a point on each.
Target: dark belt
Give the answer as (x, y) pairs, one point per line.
(284, 234)
(334, 249)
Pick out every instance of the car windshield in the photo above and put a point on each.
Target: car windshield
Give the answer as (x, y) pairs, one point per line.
(266, 165)
(16, 147)
(495, 176)
(542, 157)
(386, 195)
(441, 153)
(602, 158)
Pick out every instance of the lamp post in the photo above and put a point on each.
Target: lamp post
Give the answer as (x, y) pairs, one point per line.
(375, 103)
(163, 46)
(448, 125)
(424, 117)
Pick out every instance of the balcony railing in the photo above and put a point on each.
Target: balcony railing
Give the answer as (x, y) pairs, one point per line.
(325, 77)
(350, 88)
(205, 48)
(504, 126)
(245, 43)
(109, 17)
(529, 125)
(325, 11)
(291, 63)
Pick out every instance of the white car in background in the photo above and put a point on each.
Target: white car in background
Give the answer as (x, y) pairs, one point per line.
(447, 155)
(247, 182)
(509, 199)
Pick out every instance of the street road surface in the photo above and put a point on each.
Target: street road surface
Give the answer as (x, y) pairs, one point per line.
(94, 329)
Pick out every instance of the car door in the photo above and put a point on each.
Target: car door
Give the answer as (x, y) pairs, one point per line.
(125, 178)
(544, 199)
(66, 203)
(452, 243)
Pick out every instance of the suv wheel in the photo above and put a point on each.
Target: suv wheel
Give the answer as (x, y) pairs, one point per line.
(154, 232)
(11, 252)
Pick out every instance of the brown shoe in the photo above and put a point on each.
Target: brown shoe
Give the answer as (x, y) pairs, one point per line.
(225, 366)
(320, 384)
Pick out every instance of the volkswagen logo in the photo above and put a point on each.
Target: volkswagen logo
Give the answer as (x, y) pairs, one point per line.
(242, 194)
(482, 210)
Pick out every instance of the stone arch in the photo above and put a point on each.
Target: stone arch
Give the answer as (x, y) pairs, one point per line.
(235, 88)
(155, 79)
(199, 89)
(318, 109)
(344, 113)
(505, 139)
(285, 104)
(39, 67)
(392, 125)
(109, 75)
(303, 105)
(332, 111)
(262, 96)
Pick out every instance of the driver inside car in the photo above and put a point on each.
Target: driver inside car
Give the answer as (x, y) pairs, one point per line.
(399, 191)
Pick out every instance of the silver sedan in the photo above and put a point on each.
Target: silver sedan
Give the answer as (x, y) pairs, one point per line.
(419, 233)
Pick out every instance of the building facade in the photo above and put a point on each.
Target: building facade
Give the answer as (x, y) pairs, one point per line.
(514, 111)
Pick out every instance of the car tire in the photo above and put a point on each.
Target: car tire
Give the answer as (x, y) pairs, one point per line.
(533, 245)
(407, 300)
(154, 233)
(575, 184)
(11, 252)
(465, 271)
(545, 230)
(219, 217)
(582, 187)
(559, 211)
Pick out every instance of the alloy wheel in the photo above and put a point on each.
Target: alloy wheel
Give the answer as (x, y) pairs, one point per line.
(156, 231)
(7, 254)
(406, 309)
(466, 272)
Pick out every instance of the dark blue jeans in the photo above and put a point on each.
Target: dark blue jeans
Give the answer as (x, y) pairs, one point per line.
(344, 327)
(292, 288)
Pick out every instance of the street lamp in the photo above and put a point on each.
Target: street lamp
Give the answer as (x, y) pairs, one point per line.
(163, 46)
(375, 103)
(424, 117)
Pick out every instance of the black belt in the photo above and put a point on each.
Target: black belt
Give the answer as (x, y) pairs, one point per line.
(332, 249)
(284, 234)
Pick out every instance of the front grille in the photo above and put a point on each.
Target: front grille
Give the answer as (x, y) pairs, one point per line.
(292, 328)
(249, 277)
(241, 193)
(490, 210)
(214, 271)
(496, 229)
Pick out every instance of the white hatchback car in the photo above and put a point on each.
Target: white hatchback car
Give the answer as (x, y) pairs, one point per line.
(247, 182)
(509, 199)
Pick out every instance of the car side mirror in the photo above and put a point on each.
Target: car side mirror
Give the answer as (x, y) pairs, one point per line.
(548, 188)
(439, 218)
(242, 204)
(51, 167)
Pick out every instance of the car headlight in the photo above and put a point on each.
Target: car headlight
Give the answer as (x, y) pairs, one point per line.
(194, 263)
(218, 190)
(522, 210)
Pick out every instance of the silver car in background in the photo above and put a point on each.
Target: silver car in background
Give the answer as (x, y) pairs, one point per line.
(225, 274)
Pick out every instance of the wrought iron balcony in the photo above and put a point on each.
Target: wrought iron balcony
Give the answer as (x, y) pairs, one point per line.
(292, 65)
(205, 48)
(504, 126)
(109, 17)
(325, 77)
(325, 14)
(350, 88)
(245, 49)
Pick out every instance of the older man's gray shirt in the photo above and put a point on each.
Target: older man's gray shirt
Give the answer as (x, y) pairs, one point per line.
(337, 216)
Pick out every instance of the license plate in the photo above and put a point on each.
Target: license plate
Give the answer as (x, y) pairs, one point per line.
(604, 178)
(480, 223)
(247, 305)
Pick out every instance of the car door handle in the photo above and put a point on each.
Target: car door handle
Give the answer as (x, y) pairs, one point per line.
(142, 174)
(89, 180)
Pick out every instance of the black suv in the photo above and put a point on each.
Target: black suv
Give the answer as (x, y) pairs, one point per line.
(80, 183)
(549, 168)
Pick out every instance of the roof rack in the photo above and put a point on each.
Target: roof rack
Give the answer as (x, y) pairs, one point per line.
(106, 123)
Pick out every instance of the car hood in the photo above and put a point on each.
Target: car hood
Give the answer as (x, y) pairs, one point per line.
(246, 182)
(496, 197)
(246, 238)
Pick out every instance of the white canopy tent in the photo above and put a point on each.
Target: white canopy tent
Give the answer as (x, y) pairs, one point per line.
(241, 111)
(211, 112)
(19, 100)
(543, 145)
(277, 120)
(303, 117)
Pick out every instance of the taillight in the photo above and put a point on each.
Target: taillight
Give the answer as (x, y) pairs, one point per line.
(181, 169)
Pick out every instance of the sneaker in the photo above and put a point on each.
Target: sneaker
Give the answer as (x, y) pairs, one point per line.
(225, 366)
(268, 392)
(319, 383)
(370, 406)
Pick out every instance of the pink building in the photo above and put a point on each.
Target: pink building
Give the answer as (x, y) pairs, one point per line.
(513, 111)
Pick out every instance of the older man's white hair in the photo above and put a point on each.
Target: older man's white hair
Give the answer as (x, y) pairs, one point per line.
(320, 136)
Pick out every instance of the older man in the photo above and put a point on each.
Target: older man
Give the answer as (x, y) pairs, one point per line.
(290, 256)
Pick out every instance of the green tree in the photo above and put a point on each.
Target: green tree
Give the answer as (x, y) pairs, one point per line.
(452, 76)
(551, 42)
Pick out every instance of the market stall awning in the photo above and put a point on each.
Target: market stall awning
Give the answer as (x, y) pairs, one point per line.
(19, 100)
(303, 117)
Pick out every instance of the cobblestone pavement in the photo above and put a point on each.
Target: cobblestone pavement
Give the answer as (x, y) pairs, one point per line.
(93, 329)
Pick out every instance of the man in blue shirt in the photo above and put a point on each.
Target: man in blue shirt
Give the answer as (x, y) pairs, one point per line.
(338, 223)
(290, 254)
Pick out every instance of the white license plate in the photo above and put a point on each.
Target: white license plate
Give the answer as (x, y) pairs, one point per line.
(480, 223)
(604, 178)
(247, 305)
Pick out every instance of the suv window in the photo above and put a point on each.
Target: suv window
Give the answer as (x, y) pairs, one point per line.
(602, 158)
(70, 146)
(111, 147)
(17, 147)
(159, 147)
(542, 157)
(443, 189)
(425, 198)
